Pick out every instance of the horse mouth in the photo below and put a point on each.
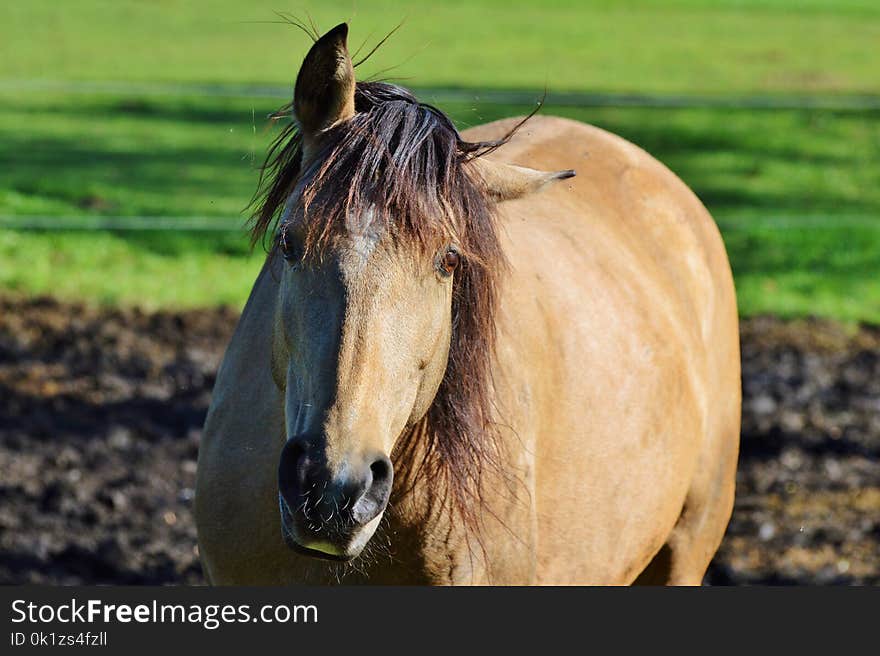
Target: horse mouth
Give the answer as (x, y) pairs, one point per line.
(343, 546)
(315, 553)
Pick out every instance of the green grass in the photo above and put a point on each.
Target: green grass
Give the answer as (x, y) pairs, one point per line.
(120, 156)
(647, 46)
(796, 192)
(167, 156)
(150, 270)
(824, 271)
(173, 157)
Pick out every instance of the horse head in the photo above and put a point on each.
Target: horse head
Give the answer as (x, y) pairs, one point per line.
(384, 322)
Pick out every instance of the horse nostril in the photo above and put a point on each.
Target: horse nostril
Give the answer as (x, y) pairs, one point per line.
(381, 470)
(378, 488)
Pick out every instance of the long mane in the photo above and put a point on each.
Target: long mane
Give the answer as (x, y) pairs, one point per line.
(405, 162)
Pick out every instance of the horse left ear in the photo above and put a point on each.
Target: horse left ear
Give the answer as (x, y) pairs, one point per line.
(507, 181)
(324, 92)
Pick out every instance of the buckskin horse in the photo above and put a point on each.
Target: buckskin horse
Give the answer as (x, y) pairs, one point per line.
(461, 364)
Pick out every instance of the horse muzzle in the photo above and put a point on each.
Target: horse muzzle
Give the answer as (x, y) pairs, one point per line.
(330, 514)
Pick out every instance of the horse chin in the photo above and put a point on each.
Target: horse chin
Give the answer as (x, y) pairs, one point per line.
(326, 549)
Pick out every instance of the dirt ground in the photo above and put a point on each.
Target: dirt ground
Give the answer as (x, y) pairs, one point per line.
(101, 413)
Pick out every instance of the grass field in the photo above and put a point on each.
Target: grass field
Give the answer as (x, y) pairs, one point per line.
(796, 192)
(721, 46)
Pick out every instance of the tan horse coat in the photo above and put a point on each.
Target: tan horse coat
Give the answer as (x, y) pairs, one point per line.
(617, 373)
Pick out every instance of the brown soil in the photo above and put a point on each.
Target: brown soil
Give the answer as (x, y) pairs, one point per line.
(101, 413)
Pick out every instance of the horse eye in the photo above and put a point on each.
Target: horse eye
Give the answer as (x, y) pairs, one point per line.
(450, 261)
(288, 247)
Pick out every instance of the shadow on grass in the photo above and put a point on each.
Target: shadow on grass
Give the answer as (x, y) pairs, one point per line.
(826, 251)
(779, 162)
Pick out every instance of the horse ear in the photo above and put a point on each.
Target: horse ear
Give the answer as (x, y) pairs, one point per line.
(324, 91)
(507, 181)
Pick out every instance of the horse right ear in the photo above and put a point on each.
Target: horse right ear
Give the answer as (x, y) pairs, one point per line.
(324, 91)
(509, 182)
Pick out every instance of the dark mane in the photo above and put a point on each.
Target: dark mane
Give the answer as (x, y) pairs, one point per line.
(406, 162)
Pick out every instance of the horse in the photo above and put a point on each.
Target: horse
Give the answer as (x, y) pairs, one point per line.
(463, 364)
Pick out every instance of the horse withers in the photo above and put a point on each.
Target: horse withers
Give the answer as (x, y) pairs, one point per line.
(460, 364)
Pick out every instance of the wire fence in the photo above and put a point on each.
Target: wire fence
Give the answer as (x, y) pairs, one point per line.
(124, 223)
(440, 95)
(229, 224)
(437, 96)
